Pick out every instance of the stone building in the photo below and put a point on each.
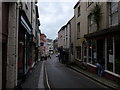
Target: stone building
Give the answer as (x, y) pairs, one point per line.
(96, 43)
(43, 44)
(103, 42)
(72, 39)
(80, 30)
(49, 46)
(61, 37)
(55, 45)
(17, 40)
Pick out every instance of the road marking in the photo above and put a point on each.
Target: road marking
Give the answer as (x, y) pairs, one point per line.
(46, 76)
(87, 77)
(40, 82)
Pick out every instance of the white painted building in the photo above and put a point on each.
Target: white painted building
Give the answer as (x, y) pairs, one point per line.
(49, 46)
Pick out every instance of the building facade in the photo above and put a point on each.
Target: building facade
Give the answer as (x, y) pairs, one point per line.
(16, 41)
(55, 45)
(49, 47)
(104, 41)
(94, 40)
(61, 37)
(72, 39)
(80, 30)
(43, 45)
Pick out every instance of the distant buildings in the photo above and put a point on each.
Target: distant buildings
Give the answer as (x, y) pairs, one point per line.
(90, 38)
(49, 46)
(55, 45)
(43, 44)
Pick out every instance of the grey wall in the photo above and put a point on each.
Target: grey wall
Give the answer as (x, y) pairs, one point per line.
(0, 46)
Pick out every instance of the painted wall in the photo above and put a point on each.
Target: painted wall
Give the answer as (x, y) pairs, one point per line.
(0, 46)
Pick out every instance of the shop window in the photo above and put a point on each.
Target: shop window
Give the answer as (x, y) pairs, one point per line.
(84, 57)
(78, 52)
(110, 54)
(117, 55)
(92, 52)
(94, 55)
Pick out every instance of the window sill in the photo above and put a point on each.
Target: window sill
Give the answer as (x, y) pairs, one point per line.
(78, 59)
(92, 65)
(117, 75)
(78, 38)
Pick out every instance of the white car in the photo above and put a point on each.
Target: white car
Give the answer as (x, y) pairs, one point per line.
(57, 54)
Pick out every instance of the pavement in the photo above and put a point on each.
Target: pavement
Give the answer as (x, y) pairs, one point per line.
(34, 81)
(102, 80)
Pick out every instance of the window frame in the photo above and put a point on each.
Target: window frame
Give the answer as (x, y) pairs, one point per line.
(90, 22)
(78, 11)
(112, 13)
(78, 30)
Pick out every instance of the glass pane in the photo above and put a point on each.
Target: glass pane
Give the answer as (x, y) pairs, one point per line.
(114, 8)
(110, 54)
(90, 52)
(114, 19)
(117, 54)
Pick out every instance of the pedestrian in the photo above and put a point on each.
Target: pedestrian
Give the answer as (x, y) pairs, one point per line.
(61, 54)
(42, 57)
(50, 56)
(101, 67)
(45, 57)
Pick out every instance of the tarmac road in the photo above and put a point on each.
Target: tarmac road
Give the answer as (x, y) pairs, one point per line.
(60, 76)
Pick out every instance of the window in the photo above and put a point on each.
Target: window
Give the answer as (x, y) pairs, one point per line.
(92, 52)
(78, 11)
(90, 23)
(110, 54)
(117, 54)
(78, 52)
(78, 30)
(71, 48)
(113, 13)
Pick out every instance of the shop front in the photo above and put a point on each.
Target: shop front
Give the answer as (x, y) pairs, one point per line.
(105, 46)
(24, 46)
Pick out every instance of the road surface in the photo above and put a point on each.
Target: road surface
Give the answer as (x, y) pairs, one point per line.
(60, 76)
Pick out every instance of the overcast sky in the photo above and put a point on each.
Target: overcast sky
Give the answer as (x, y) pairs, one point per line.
(53, 15)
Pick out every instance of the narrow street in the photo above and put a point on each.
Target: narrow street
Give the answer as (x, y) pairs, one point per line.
(59, 76)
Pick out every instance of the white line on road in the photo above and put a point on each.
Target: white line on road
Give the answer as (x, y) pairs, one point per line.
(47, 79)
(41, 79)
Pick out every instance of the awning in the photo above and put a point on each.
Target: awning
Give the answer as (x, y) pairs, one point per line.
(25, 22)
(109, 32)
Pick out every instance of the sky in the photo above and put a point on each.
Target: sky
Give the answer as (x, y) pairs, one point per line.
(54, 15)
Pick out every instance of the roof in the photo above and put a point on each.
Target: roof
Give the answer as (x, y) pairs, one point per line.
(62, 28)
(76, 4)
